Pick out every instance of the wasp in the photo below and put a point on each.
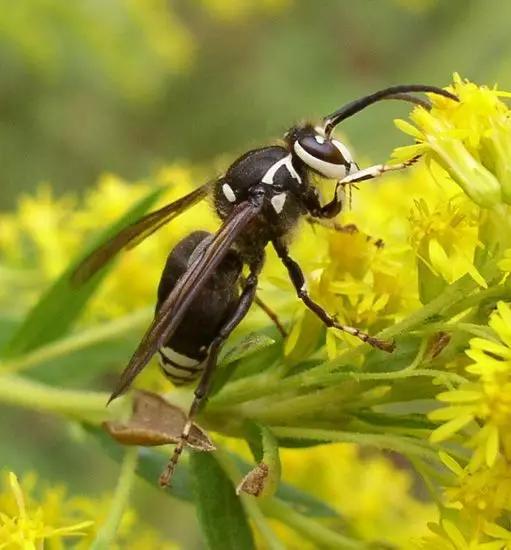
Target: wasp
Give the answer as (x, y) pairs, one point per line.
(203, 295)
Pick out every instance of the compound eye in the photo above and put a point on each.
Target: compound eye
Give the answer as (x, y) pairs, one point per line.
(328, 157)
(322, 149)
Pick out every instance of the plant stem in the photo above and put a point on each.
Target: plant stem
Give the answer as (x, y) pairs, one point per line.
(106, 535)
(78, 341)
(400, 444)
(309, 528)
(84, 405)
(259, 385)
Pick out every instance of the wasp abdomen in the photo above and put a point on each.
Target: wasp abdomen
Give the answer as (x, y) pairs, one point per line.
(184, 355)
(179, 368)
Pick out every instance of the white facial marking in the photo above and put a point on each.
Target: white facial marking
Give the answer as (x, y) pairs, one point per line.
(228, 192)
(178, 358)
(278, 202)
(327, 169)
(319, 130)
(288, 163)
(319, 139)
(344, 150)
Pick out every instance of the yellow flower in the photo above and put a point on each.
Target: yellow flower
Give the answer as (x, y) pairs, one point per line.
(505, 262)
(445, 237)
(482, 494)
(26, 529)
(471, 140)
(234, 10)
(487, 398)
(446, 535)
(358, 487)
(476, 506)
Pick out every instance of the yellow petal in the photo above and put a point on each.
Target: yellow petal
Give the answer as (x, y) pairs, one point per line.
(409, 129)
(492, 445)
(448, 413)
(450, 428)
(449, 461)
(459, 396)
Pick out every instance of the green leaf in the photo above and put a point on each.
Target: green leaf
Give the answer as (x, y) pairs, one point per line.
(63, 302)
(151, 463)
(264, 479)
(251, 343)
(249, 346)
(219, 510)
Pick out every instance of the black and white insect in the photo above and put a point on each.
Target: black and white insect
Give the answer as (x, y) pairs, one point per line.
(202, 295)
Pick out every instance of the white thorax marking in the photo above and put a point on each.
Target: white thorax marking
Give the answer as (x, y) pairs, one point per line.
(278, 202)
(228, 192)
(288, 163)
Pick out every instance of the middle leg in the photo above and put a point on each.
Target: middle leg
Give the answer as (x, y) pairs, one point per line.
(298, 279)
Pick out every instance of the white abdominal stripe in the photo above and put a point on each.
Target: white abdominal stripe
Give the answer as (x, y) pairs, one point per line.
(179, 368)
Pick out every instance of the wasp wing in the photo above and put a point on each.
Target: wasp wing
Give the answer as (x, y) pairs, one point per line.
(133, 234)
(173, 309)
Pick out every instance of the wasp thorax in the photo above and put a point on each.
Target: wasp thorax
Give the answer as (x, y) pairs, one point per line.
(328, 157)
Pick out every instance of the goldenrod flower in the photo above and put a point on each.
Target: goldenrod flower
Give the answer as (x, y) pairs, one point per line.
(505, 262)
(445, 238)
(333, 472)
(471, 140)
(487, 399)
(26, 528)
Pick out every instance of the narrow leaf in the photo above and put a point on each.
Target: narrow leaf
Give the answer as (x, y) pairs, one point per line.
(220, 513)
(264, 479)
(63, 302)
(151, 463)
(251, 343)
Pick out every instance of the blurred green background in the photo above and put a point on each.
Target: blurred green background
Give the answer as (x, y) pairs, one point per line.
(127, 86)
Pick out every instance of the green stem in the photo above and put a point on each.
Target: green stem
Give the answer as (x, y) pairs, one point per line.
(85, 405)
(330, 402)
(105, 537)
(493, 292)
(400, 444)
(78, 341)
(309, 528)
(259, 386)
(244, 391)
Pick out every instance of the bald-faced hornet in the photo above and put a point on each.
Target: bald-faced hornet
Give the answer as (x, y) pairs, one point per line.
(202, 296)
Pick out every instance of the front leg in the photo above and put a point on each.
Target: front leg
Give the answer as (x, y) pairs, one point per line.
(297, 278)
(334, 207)
(319, 211)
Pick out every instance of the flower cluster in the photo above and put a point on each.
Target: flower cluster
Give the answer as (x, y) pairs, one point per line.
(34, 515)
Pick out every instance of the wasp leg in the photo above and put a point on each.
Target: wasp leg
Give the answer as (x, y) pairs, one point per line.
(272, 315)
(274, 318)
(334, 207)
(297, 278)
(349, 228)
(201, 392)
(375, 171)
